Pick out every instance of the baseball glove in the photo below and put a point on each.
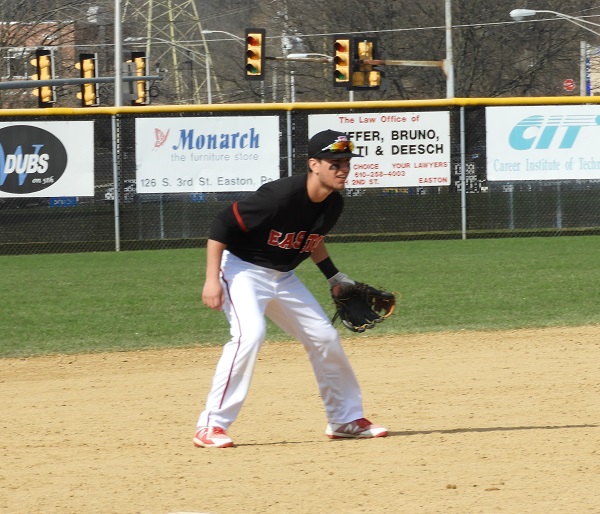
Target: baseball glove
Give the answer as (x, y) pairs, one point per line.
(360, 306)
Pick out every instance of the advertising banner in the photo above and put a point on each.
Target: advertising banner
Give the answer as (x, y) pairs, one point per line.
(199, 154)
(47, 159)
(543, 143)
(403, 149)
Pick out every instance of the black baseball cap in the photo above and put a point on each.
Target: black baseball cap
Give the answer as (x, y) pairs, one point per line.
(330, 144)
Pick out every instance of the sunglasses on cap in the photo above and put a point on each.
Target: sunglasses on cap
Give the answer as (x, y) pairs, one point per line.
(339, 146)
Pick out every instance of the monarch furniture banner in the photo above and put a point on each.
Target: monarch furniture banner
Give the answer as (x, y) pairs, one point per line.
(196, 154)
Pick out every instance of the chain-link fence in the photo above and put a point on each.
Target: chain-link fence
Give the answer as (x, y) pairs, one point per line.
(468, 205)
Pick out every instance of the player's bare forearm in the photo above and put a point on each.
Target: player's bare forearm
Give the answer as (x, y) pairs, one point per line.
(320, 253)
(212, 292)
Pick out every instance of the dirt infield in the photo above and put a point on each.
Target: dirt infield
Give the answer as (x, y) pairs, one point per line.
(479, 422)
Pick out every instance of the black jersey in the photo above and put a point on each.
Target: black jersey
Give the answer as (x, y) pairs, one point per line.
(278, 226)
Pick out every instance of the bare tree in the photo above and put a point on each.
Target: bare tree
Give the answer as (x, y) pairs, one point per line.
(52, 25)
(494, 56)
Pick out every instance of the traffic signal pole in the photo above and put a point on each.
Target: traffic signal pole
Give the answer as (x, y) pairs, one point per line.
(395, 62)
(31, 84)
(324, 60)
(374, 62)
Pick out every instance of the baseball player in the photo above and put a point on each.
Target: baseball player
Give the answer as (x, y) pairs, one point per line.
(253, 248)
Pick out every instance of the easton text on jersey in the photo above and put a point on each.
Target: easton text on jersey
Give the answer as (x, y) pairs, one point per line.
(294, 240)
(188, 140)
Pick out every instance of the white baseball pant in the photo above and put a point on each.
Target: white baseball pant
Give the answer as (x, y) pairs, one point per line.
(251, 292)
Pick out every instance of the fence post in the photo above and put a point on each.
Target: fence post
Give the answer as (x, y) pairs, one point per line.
(463, 178)
(290, 147)
(559, 210)
(115, 151)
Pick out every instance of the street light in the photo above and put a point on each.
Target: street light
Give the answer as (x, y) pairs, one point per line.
(239, 39)
(322, 58)
(521, 14)
(209, 59)
(309, 58)
(449, 62)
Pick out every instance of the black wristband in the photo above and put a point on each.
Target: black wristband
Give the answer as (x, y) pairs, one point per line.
(327, 267)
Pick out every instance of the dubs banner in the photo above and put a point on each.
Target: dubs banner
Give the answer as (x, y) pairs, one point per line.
(403, 149)
(179, 155)
(47, 159)
(543, 143)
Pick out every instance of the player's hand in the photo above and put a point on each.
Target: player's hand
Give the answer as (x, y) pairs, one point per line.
(212, 295)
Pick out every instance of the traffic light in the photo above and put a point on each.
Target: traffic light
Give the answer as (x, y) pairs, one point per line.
(366, 76)
(141, 69)
(44, 63)
(342, 61)
(88, 68)
(255, 54)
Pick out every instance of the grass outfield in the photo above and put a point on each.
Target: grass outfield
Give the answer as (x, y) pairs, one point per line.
(76, 303)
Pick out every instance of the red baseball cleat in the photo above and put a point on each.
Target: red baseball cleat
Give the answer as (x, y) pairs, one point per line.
(358, 429)
(212, 437)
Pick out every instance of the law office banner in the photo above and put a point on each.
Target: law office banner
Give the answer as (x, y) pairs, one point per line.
(402, 149)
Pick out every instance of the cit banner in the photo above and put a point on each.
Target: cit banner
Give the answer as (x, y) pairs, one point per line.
(543, 143)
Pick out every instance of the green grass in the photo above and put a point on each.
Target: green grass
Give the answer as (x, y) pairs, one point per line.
(74, 303)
